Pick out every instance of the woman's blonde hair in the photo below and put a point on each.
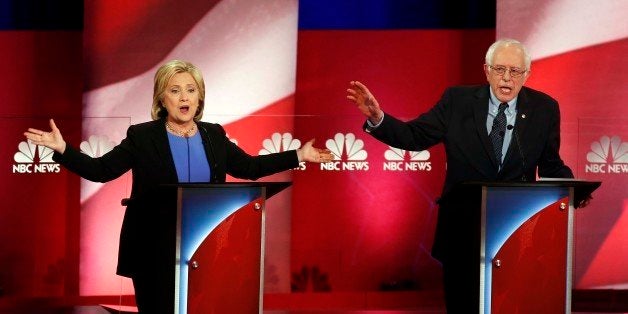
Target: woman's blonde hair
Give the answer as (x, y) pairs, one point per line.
(163, 76)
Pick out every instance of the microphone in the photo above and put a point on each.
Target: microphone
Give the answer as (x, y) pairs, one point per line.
(207, 143)
(523, 158)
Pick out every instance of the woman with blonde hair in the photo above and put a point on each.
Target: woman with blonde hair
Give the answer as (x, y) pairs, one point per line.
(175, 147)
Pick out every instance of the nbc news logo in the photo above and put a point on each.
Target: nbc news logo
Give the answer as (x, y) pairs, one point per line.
(352, 147)
(281, 143)
(96, 146)
(31, 158)
(396, 160)
(608, 155)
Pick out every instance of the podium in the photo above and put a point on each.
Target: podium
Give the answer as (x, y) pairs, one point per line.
(220, 246)
(525, 243)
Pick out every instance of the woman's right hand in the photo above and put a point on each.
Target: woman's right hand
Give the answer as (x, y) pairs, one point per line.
(52, 139)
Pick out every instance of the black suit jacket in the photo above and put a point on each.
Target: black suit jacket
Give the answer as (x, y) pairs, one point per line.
(147, 236)
(458, 121)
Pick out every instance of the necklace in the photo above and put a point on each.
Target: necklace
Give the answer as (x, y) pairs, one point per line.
(186, 133)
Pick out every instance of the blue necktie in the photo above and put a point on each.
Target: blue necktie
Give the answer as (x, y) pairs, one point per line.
(498, 131)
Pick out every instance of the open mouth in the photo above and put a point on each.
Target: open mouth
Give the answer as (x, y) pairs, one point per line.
(184, 109)
(505, 89)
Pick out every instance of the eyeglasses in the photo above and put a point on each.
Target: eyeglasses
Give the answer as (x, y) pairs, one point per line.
(501, 70)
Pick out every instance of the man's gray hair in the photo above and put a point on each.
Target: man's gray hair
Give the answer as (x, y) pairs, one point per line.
(507, 42)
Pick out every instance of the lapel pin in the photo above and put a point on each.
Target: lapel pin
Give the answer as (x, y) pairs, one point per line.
(523, 116)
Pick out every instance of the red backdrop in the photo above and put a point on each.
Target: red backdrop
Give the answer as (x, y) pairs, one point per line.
(362, 225)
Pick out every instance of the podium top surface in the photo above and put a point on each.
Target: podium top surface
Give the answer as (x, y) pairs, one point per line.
(582, 189)
(541, 183)
(272, 188)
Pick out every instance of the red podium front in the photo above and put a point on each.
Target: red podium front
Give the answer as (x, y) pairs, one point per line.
(220, 246)
(525, 243)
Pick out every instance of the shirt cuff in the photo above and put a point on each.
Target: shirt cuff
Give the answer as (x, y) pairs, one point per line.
(370, 126)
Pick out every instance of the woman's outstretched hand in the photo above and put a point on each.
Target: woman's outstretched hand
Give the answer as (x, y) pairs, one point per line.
(52, 139)
(312, 154)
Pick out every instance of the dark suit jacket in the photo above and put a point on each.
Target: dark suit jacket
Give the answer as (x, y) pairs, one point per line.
(148, 227)
(458, 121)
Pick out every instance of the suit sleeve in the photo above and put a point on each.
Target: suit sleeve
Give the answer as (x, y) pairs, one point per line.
(550, 163)
(242, 165)
(102, 169)
(418, 134)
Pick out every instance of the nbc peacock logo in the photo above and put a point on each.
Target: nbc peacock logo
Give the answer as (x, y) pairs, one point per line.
(281, 143)
(608, 155)
(402, 160)
(96, 146)
(349, 153)
(31, 158)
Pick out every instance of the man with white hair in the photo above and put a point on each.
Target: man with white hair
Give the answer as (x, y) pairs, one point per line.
(500, 131)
